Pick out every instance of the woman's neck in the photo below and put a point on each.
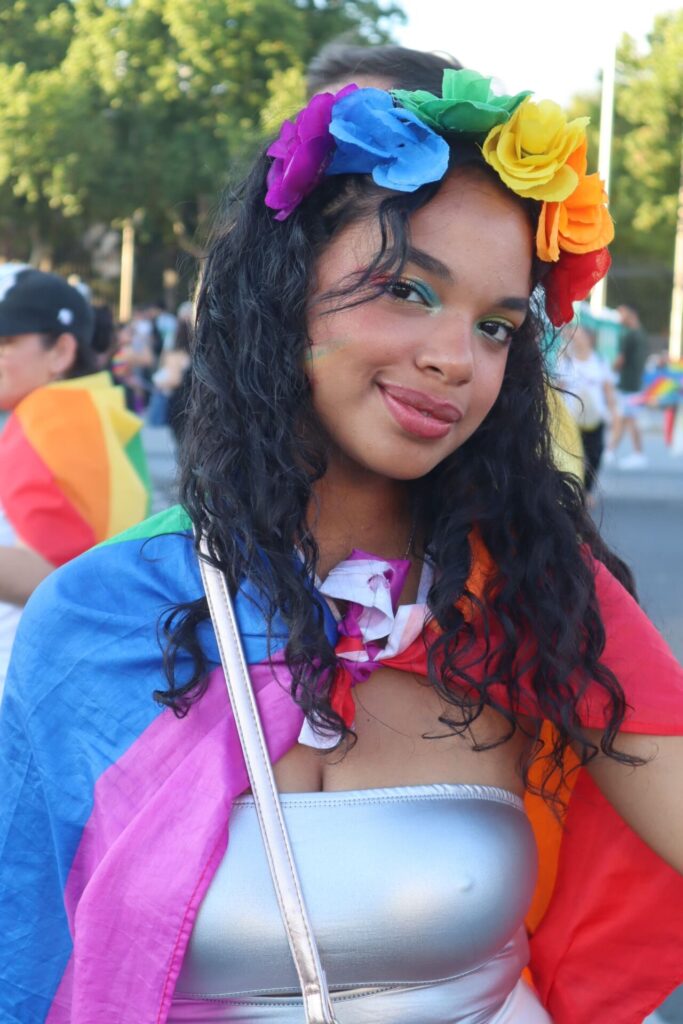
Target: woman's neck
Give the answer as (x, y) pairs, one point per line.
(352, 509)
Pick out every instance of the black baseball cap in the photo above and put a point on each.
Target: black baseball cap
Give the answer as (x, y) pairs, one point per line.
(32, 301)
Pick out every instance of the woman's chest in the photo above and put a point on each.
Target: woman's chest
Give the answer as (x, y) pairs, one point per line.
(403, 738)
(405, 887)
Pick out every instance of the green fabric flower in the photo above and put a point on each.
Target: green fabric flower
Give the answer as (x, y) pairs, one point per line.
(468, 105)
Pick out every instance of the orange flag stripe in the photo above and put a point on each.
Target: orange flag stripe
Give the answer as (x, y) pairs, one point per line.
(73, 448)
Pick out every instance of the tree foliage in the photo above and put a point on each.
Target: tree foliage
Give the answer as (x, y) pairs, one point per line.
(112, 107)
(35, 32)
(646, 167)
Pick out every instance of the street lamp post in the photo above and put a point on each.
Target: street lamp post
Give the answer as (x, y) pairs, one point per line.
(127, 270)
(598, 295)
(676, 322)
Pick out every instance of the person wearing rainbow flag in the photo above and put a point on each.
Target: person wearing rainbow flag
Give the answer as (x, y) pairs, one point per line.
(475, 729)
(72, 470)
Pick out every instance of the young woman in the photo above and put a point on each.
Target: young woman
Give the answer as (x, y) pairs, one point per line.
(437, 635)
(389, 67)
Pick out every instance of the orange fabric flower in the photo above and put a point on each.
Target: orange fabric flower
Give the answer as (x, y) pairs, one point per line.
(579, 224)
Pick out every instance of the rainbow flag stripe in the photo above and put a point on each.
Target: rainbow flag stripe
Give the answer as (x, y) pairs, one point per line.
(73, 468)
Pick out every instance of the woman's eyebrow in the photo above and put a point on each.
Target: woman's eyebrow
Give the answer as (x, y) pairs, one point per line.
(512, 302)
(434, 266)
(429, 263)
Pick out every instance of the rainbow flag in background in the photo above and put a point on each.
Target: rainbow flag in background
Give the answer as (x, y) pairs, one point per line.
(72, 467)
(662, 387)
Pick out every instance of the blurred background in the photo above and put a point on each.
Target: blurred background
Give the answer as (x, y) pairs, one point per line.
(122, 122)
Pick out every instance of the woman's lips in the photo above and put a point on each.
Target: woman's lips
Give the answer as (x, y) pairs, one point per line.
(418, 413)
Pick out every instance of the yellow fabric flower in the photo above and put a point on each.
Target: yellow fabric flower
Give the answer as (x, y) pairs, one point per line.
(530, 152)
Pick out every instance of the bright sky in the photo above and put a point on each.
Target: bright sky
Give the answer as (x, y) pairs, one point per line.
(555, 49)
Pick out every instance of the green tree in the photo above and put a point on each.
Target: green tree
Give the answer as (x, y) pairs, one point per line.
(35, 32)
(646, 161)
(152, 105)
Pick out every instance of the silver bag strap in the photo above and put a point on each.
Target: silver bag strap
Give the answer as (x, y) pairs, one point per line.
(316, 998)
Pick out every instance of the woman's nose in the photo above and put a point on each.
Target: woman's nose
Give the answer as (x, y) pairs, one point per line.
(447, 352)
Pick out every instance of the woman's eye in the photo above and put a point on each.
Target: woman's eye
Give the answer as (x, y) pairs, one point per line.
(406, 290)
(500, 331)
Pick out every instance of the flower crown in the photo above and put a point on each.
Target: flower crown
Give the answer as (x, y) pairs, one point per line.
(398, 137)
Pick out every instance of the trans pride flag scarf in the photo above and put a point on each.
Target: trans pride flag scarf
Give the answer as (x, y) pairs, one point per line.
(114, 814)
(72, 468)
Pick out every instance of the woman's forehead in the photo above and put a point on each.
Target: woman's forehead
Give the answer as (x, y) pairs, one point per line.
(470, 220)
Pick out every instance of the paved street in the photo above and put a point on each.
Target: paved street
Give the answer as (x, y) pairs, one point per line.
(641, 515)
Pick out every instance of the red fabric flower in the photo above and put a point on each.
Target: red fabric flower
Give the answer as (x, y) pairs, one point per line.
(570, 280)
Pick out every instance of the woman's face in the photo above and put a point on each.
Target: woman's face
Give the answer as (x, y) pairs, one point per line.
(400, 382)
(25, 364)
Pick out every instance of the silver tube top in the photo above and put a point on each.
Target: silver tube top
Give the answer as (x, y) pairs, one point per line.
(417, 897)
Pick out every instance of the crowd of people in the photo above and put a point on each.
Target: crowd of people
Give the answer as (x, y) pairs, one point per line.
(150, 358)
(475, 729)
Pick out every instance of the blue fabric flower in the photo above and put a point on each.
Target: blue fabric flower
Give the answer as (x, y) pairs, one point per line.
(375, 137)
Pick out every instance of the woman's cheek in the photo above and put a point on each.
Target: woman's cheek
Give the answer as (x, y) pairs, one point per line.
(321, 354)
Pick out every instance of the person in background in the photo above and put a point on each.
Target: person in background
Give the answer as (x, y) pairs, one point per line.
(630, 364)
(140, 347)
(167, 404)
(72, 469)
(589, 393)
(178, 366)
(165, 324)
(104, 340)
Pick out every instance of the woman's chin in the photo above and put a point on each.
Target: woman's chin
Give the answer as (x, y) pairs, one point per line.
(403, 469)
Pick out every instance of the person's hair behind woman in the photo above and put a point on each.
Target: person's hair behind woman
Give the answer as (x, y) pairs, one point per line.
(344, 62)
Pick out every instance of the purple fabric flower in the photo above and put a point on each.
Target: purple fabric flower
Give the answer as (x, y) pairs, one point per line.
(302, 152)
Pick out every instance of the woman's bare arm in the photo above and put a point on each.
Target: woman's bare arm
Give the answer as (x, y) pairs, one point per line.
(21, 570)
(649, 797)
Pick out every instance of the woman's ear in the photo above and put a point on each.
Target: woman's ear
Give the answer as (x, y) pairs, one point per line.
(63, 355)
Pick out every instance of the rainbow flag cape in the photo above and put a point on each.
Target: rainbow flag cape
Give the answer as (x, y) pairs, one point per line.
(72, 467)
(114, 813)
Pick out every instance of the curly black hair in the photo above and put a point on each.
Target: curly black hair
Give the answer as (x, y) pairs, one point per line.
(251, 459)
